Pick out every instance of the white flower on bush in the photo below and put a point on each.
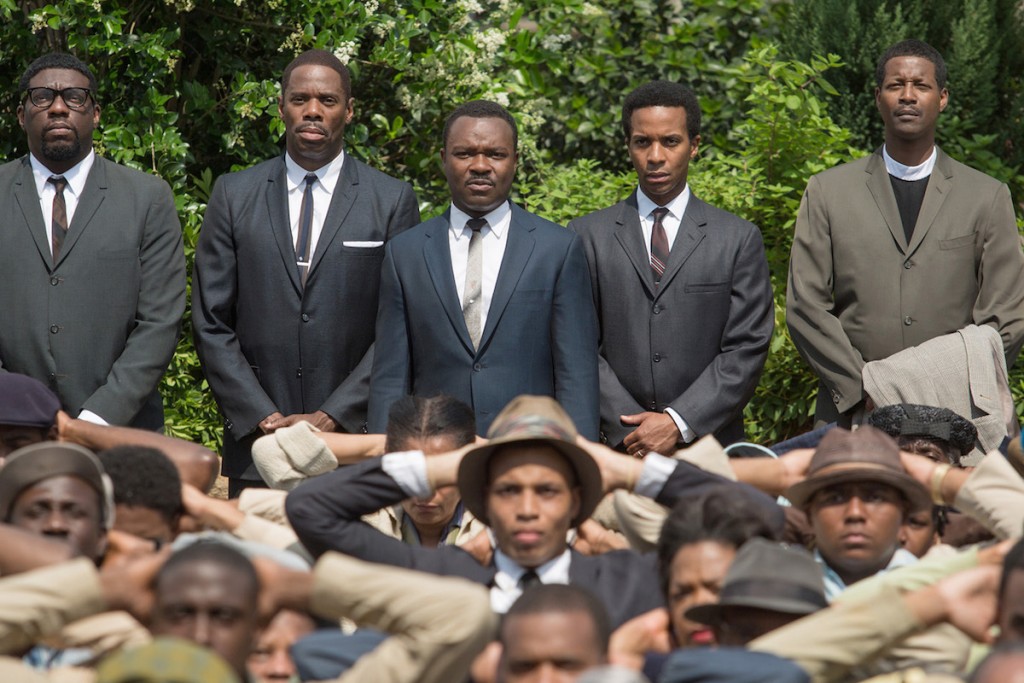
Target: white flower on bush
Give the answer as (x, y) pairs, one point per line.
(469, 6)
(345, 51)
(371, 7)
(591, 10)
(490, 41)
(500, 97)
(554, 41)
(384, 28)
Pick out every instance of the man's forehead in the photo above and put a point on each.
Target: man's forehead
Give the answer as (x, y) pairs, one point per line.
(59, 77)
(65, 484)
(515, 459)
(859, 487)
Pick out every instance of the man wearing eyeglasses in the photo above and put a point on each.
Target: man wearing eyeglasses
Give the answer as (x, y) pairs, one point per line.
(92, 271)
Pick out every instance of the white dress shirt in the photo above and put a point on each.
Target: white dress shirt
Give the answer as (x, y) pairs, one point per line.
(495, 237)
(671, 222)
(76, 177)
(327, 179)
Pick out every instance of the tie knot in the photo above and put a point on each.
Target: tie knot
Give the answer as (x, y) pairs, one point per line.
(476, 224)
(528, 579)
(59, 182)
(310, 179)
(659, 214)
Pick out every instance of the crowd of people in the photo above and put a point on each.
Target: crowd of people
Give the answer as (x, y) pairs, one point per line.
(489, 448)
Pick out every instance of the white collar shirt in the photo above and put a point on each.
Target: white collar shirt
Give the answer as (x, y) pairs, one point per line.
(495, 239)
(674, 217)
(903, 172)
(506, 590)
(75, 176)
(327, 179)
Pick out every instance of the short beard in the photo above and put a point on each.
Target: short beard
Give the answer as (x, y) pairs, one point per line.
(62, 151)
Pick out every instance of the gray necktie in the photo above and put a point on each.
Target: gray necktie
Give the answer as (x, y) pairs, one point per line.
(473, 294)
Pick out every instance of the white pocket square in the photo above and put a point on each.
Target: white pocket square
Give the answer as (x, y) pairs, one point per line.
(363, 245)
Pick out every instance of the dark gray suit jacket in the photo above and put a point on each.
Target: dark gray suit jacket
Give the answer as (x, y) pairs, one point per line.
(265, 343)
(100, 326)
(696, 343)
(540, 337)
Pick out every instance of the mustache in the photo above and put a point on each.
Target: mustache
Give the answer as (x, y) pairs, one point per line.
(311, 125)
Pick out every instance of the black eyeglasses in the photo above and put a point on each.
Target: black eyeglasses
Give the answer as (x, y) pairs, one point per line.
(74, 98)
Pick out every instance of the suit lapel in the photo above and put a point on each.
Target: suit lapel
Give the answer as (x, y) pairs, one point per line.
(341, 203)
(93, 194)
(631, 238)
(28, 201)
(691, 232)
(935, 195)
(881, 190)
(437, 254)
(517, 253)
(277, 209)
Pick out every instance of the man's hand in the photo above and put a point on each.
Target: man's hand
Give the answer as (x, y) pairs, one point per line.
(319, 419)
(281, 588)
(970, 600)
(638, 636)
(594, 539)
(127, 581)
(656, 433)
(269, 423)
(63, 424)
(210, 512)
(479, 547)
(618, 471)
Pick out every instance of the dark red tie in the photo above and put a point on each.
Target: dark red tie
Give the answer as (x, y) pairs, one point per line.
(59, 217)
(659, 244)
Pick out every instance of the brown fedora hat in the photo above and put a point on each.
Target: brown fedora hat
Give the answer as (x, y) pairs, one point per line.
(865, 454)
(766, 575)
(529, 419)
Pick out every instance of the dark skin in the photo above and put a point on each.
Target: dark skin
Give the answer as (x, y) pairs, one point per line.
(59, 136)
(910, 101)
(479, 161)
(13, 437)
(65, 508)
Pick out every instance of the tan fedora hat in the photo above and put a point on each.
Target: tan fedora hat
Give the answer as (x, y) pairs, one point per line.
(866, 454)
(526, 420)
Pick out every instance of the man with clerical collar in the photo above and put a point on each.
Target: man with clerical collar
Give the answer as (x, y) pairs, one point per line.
(901, 246)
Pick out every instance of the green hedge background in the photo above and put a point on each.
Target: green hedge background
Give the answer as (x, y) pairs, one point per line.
(189, 91)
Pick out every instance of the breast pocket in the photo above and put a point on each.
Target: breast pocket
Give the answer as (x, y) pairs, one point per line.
(706, 287)
(958, 242)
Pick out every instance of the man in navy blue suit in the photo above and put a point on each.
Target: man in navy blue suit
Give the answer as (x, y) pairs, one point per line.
(485, 302)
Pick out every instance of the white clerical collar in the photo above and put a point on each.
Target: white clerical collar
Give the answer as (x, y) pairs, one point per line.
(903, 172)
(677, 207)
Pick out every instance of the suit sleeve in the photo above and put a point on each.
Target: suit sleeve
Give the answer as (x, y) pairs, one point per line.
(430, 642)
(161, 303)
(722, 390)
(325, 513)
(1000, 301)
(574, 337)
(348, 403)
(391, 370)
(615, 400)
(214, 294)
(816, 331)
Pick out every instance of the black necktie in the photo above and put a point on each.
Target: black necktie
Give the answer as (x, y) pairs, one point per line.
(59, 219)
(659, 243)
(528, 579)
(305, 229)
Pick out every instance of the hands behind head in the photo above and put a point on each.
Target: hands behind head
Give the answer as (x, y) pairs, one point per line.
(648, 632)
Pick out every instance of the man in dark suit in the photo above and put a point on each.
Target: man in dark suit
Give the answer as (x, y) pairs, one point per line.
(900, 246)
(287, 272)
(92, 272)
(530, 484)
(682, 291)
(485, 302)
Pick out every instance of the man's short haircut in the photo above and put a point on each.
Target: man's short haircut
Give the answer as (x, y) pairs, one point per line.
(415, 417)
(662, 94)
(216, 553)
(57, 60)
(721, 515)
(481, 109)
(144, 477)
(319, 58)
(912, 48)
(562, 599)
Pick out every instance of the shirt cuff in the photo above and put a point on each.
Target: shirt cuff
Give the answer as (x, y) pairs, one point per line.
(90, 416)
(656, 471)
(409, 470)
(685, 433)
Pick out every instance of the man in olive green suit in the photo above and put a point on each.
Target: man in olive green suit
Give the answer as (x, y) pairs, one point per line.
(901, 246)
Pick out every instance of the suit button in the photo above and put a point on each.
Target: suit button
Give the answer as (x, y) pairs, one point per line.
(477, 367)
(54, 281)
(305, 317)
(656, 310)
(54, 329)
(657, 358)
(908, 320)
(908, 265)
(298, 373)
